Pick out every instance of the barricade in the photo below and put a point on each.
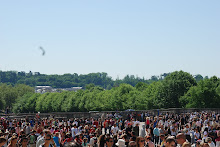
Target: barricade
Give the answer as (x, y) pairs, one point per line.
(102, 114)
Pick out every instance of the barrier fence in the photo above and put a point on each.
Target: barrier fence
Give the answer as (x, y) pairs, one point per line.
(96, 114)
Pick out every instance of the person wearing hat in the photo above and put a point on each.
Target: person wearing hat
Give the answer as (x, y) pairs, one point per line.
(121, 143)
(147, 122)
(125, 138)
(132, 144)
(210, 142)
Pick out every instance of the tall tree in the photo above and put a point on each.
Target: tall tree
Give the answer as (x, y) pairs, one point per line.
(173, 87)
(204, 95)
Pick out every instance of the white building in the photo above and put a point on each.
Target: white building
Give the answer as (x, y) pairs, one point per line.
(44, 89)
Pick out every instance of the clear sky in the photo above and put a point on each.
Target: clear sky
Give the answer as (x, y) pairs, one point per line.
(119, 37)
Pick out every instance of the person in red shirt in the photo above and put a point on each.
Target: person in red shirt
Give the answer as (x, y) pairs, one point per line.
(78, 139)
(56, 130)
(4, 124)
(39, 129)
(147, 122)
(106, 125)
(68, 139)
(92, 130)
(96, 123)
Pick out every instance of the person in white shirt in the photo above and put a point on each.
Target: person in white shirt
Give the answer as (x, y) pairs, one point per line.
(68, 122)
(75, 122)
(160, 123)
(196, 134)
(166, 124)
(10, 124)
(74, 130)
(173, 129)
(205, 134)
(114, 129)
(40, 139)
(206, 121)
(198, 123)
(40, 136)
(187, 133)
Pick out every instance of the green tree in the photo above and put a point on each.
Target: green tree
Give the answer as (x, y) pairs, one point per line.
(173, 87)
(198, 77)
(2, 103)
(9, 94)
(204, 95)
(141, 86)
(150, 94)
(41, 103)
(22, 89)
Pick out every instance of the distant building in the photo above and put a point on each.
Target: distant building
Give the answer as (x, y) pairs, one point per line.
(44, 89)
(76, 88)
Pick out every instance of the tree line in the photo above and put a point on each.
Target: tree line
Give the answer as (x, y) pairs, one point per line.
(74, 80)
(177, 90)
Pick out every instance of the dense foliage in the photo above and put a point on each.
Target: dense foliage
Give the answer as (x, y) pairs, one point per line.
(205, 95)
(177, 90)
(71, 80)
(9, 94)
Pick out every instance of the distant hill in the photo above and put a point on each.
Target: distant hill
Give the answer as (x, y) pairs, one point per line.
(74, 80)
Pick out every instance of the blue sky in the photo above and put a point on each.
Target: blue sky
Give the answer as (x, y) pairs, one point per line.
(120, 37)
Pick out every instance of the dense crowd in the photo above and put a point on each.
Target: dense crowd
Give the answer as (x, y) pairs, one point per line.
(199, 129)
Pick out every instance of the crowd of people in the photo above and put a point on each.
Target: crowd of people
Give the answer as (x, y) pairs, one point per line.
(199, 129)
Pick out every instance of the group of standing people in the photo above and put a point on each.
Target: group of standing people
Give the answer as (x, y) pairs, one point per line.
(198, 129)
